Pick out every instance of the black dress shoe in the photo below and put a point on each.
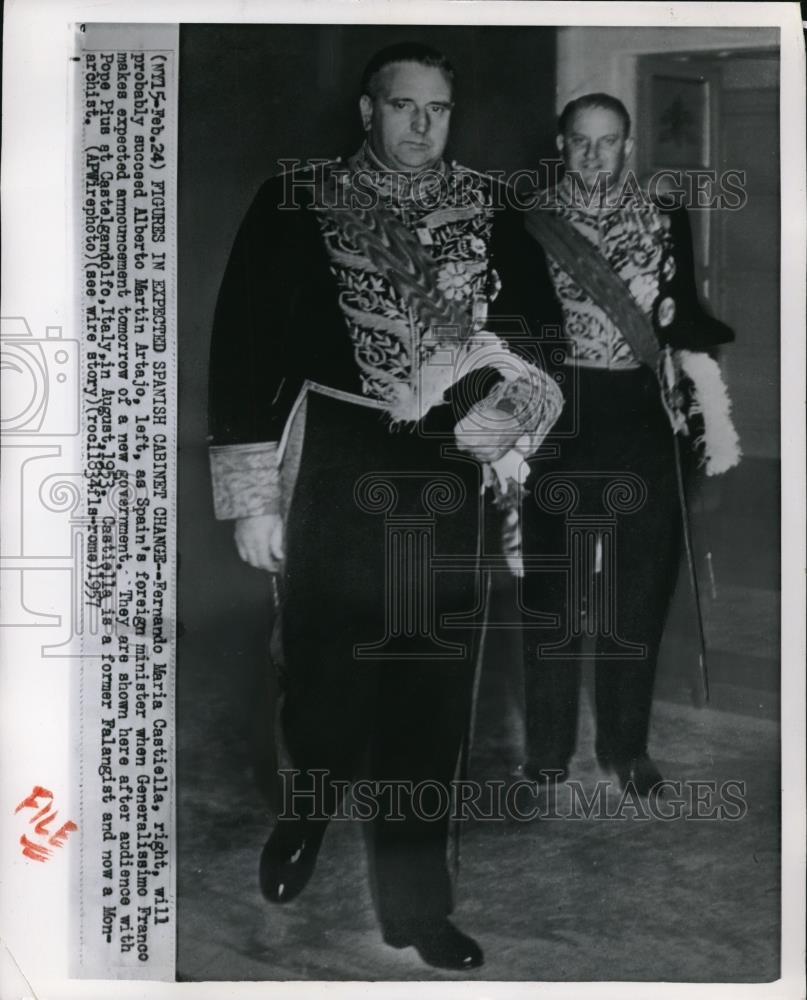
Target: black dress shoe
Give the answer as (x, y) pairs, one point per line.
(640, 773)
(288, 859)
(439, 944)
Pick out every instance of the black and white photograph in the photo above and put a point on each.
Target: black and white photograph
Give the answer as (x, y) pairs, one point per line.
(403, 499)
(477, 593)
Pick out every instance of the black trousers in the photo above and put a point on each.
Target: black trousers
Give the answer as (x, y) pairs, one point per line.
(375, 677)
(602, 530)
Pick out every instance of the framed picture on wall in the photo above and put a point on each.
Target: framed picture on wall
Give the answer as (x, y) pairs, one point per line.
(679, 120)
(678, 108)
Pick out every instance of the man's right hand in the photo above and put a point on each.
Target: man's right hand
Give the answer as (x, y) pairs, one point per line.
(259, 541)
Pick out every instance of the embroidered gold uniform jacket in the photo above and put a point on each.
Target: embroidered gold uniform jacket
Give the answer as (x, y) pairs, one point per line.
(297, 307)
(650, 250)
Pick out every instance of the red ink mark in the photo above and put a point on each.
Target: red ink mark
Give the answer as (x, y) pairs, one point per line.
(41, 812)
(42, 820)
(61, 834)
(36, 852)
(42, 828)
(31, 801)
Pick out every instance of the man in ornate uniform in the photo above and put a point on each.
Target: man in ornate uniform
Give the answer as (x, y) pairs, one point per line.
(608, 505)
(360, 398)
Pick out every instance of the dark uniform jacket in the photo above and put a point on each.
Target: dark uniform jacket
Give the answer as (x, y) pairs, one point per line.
(278, 324)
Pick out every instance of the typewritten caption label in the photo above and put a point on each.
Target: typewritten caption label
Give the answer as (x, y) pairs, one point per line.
(126, 249)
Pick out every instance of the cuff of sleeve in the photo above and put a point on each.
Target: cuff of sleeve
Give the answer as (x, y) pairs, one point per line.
(246, 480)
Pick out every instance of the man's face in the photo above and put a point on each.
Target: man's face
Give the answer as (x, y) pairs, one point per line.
(408, 117)
(594, 143)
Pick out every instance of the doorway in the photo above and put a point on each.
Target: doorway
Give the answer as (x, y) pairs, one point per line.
(719, 112)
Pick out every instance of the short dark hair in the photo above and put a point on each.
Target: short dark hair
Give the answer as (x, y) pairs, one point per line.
(414, 52)
(597, 100)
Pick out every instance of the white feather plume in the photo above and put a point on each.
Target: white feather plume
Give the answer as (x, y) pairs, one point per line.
(720, 443)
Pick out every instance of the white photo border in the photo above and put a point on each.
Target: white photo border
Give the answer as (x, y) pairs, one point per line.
(37, 284)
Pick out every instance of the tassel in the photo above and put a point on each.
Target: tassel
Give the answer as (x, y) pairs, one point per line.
(506, 477)
(721, 446)
(511, 543)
